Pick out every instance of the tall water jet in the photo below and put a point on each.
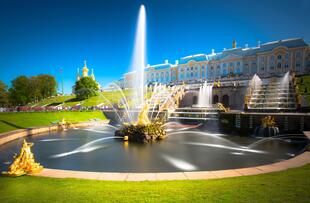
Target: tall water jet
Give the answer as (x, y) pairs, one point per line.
(205, 95)
(139, 58)
(140, 129)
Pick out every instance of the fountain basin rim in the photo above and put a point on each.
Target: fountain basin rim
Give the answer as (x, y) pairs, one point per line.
(20, 133)
(295, 162)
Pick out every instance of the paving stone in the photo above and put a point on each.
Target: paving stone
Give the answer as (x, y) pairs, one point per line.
(113, 176)
(248, 171)
(199, 175)
(226, 173)
(141, 177)
(171, 176)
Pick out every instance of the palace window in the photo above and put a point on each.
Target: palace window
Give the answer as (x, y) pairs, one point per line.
(286, 57)
(192, 68)
(192, 75)
(279, 57)
(202, 67)
(187, 69)
(224, 72)
(203, 74)
(286, 65)
(279, 65)
(238, 63)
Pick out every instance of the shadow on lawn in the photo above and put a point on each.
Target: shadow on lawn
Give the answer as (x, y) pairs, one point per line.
(12, 124)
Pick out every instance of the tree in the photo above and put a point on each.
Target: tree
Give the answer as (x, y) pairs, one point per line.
(4, 95)
(85, 88)
(19, 92)
(34, 89)
(47, 85)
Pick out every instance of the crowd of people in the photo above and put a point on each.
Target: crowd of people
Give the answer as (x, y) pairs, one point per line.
(52, 108)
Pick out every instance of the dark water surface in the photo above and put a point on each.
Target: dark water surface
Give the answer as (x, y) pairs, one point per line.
(96, 149)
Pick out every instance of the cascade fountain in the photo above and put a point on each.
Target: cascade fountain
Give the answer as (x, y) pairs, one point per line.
(285, 86)
(275, 94)
(205, 95)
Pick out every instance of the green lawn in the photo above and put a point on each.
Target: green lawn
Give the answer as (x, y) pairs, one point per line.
(288, 186)
(54, 101)
(13, 121)
(107, 98)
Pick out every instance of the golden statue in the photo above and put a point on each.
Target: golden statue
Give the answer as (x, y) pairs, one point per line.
(217, 84)
(24, 163)
(63, 124)
(268, 121)
(222, 107)
(143, 118)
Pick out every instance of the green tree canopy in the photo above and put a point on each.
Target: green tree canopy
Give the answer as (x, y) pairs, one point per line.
(4, 96)
(19, 92)
(35, 88)
(85, 88)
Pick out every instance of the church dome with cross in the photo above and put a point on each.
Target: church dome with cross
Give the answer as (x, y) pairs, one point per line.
(85, 71)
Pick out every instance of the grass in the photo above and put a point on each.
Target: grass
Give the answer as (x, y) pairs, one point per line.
(13, 121)
(53, 100)
(105, 98)
(303, 83)
(287, 186)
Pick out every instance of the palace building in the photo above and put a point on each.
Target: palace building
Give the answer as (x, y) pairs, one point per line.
(266, 60)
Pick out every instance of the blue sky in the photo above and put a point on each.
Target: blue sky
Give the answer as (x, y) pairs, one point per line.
(43, 36)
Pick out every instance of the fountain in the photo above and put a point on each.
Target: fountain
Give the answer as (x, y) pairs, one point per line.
(139, 58)
(141, 130)
(268, 128)
(271, 95)
(205, 95)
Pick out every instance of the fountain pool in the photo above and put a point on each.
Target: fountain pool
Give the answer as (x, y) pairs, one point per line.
(187, 148)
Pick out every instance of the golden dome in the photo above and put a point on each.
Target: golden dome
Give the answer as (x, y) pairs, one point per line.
(85, 70)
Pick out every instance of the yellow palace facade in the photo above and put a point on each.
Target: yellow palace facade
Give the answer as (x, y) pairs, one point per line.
(267, 60)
